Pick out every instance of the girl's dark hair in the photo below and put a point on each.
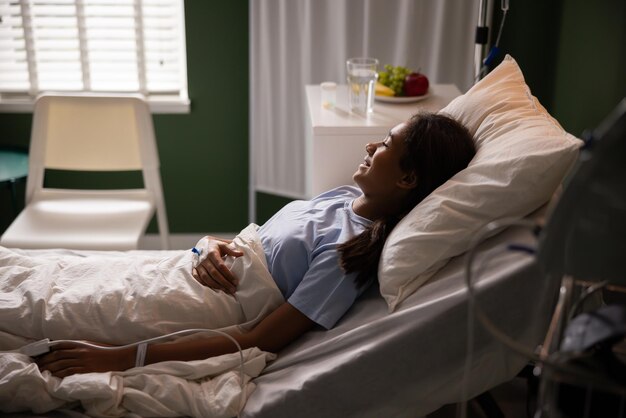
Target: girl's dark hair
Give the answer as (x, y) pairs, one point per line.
(436, 148)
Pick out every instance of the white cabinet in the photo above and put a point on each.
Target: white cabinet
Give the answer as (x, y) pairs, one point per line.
(336, 138)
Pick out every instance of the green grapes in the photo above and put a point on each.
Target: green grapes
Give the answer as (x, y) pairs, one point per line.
(393, 77)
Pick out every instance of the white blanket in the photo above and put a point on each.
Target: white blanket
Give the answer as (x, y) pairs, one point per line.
(205, 388)
(120, 298)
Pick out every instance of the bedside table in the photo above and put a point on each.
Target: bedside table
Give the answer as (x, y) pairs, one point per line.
(336, 138)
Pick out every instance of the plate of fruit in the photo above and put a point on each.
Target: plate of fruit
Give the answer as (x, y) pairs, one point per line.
(400, 85)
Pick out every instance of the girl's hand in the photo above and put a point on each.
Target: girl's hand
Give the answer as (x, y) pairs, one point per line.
(212, 272)
(68, 358)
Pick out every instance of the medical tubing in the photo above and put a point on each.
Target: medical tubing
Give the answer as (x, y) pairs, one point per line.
(164, 337)
(495, 49)
(475, 309)
(586, 294)
(520, 349)
(491, 229)
(497, 44)
(470, 330)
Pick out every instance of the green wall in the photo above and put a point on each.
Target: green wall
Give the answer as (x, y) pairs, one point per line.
(572, 53)
(204, 154)
(591, 65)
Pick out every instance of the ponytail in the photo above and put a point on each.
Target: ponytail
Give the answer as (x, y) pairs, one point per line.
(361, 253)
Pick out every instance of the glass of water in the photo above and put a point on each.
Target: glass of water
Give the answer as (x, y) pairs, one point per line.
(361, 78)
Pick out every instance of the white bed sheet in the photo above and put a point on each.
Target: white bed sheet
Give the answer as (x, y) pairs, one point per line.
(410, 363)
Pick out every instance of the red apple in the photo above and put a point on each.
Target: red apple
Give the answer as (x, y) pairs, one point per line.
(415, 84)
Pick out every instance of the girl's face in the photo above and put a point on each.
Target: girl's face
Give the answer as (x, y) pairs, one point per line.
(380, 172)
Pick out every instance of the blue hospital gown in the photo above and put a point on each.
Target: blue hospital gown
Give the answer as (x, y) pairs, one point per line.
(300, 244)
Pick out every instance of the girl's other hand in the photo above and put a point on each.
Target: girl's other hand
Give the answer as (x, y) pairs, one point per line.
(212, 272)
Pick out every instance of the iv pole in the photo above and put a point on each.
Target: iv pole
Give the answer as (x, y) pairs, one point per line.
(485, 11)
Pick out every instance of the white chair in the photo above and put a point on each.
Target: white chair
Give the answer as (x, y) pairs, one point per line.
(90, 132)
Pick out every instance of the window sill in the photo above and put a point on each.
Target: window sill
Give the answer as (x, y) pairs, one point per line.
(157, 104)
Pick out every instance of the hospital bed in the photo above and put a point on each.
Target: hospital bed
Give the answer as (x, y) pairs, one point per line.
(407, 356)
(410, 362)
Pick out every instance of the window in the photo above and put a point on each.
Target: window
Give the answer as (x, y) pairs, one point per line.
(133, 46)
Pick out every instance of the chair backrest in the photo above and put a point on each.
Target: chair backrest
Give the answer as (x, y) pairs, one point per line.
(91, 132)
(96, 132)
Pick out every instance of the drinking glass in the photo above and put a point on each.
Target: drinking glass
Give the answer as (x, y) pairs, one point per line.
(361, 78)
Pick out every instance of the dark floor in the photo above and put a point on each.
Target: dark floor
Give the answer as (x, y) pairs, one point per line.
(510, 398)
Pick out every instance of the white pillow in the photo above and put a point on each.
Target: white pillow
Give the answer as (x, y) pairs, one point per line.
(522, 156)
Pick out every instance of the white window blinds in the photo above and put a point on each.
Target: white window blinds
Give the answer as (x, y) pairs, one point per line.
(93, 45)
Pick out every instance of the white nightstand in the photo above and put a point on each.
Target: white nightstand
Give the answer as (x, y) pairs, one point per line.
(336, 138)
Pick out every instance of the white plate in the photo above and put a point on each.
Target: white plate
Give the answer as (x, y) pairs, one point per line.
(404, 99)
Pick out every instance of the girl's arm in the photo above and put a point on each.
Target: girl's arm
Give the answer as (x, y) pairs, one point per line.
(274, 332)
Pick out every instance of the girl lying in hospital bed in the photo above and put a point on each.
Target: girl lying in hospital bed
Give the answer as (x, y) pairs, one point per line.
(316, 257)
